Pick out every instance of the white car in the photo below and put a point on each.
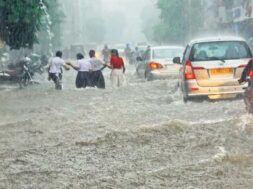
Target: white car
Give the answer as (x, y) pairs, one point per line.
(212, 66)
(157, 62)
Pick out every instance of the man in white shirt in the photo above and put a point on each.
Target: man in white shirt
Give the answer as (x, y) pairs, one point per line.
(55, 69)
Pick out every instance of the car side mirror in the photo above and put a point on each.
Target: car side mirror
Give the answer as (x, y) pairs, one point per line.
(177, 60)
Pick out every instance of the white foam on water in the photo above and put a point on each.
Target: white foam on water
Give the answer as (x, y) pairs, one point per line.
(219, 157)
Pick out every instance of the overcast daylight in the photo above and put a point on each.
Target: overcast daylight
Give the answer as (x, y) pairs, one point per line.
(126, 94)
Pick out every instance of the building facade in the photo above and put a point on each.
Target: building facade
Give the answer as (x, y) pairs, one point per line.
(235, 17)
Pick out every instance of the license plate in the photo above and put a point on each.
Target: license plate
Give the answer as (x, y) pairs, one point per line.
(222, 71)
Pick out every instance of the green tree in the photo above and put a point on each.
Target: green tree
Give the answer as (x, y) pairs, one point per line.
(169, 29)
(179, 20)
(20, 22)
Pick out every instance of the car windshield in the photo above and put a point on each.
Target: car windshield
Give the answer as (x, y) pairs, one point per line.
(167, 53)
(223, 50)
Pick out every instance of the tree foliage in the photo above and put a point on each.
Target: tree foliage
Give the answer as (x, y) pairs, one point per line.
(23, 23)
(178, 20)
(19, 22)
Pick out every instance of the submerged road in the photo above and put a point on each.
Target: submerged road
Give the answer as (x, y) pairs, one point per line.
(139, 136)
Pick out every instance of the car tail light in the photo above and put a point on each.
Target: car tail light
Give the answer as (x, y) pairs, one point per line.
(155, 65)
(189, 73)
(194, 89)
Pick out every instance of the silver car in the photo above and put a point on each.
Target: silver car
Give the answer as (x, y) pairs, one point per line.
(157, 62)
(212, 66)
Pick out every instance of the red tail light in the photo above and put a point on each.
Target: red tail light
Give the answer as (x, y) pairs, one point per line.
(155, 65)
(194, 89)
(189, 73)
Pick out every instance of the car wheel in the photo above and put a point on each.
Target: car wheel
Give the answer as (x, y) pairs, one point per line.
(185, 95)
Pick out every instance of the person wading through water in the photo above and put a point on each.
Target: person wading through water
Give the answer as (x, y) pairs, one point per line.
(106, 54)
(118, 69)
(55, 69)
(97, 65)
(247, 75)
(83, 67)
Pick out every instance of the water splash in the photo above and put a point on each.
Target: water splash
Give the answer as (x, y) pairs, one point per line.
(48, 26)
(219, 157)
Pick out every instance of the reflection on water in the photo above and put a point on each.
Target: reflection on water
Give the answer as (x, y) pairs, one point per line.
(139, 136)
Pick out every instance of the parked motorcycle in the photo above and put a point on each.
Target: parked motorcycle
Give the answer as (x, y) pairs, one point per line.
(25, 77)
(23, 71)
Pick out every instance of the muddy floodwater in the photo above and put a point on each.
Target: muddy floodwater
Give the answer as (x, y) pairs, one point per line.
(140, 136)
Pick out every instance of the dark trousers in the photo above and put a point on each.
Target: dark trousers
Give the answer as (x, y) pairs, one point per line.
(55, 76)
(83, 80)
(97, 79)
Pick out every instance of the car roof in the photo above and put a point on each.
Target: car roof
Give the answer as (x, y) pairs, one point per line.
(167, 47)
(213, 39)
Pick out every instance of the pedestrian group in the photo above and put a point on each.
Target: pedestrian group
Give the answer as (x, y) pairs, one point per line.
(89, 70)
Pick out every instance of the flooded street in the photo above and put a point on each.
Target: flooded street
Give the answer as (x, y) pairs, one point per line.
(140, 136)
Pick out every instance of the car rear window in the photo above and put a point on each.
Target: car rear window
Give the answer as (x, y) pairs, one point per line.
(221, 50)
(168, 53)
